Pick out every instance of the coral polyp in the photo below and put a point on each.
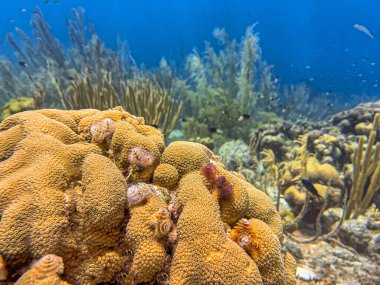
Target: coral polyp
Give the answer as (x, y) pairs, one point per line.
(209, 172)
(244, 235)
(223, 187)
(48, 265)
(102, 132)
(263, 246)
(245, 241)
(138, 194)
(140, 157)
(161, 223)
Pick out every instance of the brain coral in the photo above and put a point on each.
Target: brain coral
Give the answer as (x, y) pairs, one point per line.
(98, 192)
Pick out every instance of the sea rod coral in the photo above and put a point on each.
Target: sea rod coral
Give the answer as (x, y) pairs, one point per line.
(95, 197)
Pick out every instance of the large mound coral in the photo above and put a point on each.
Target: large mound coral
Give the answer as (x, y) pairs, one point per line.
(96, 198)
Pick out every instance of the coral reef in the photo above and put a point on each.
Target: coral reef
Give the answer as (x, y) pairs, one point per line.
(352, 258)
(352, 120)
(16, 105)
(235, 155)
(99, 192)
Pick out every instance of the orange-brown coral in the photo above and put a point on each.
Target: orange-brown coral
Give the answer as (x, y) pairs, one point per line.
(100, 190)
(48, 265)
(45, 271)
(166, 175)
(290, 269)
(185, 156)
(204, 254)
(316, 172)
(258, 240)
(3, 269)
(161, 223)
(149, 255)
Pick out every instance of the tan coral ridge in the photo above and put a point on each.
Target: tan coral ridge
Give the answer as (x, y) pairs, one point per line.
(100, 193)
(321, 175)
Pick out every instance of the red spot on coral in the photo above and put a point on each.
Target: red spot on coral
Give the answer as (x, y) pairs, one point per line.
(220, 181)
(224, 188)
(209, 172)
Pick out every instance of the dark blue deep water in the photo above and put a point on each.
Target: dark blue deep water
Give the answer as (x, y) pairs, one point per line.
(312, 41)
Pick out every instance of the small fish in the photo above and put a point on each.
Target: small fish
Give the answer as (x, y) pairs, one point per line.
(329, 104)
(364, 30)
(261, 96)
(261, 168)
(276, 79)
(373, 63)
(310, 187)
(243, 117)
(23, 63)
(283, 108)
(10, 20)
(215, 130)
(22, 10)
(308, 66)
(328, 93)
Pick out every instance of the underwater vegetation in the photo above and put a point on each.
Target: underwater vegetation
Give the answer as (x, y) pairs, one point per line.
(226, 87)
(89, 197)
(87, 75)
(323, 177)
(343, 173)
(93, 195)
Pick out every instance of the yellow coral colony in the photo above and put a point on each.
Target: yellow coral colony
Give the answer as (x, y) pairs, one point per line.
(99, 193)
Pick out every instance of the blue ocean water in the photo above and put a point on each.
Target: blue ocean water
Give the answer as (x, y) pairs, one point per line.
(312, 41)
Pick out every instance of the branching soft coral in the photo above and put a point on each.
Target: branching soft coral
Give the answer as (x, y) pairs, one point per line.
(224, 84)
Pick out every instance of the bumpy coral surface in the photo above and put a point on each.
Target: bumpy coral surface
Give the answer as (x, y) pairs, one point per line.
(90, 197)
